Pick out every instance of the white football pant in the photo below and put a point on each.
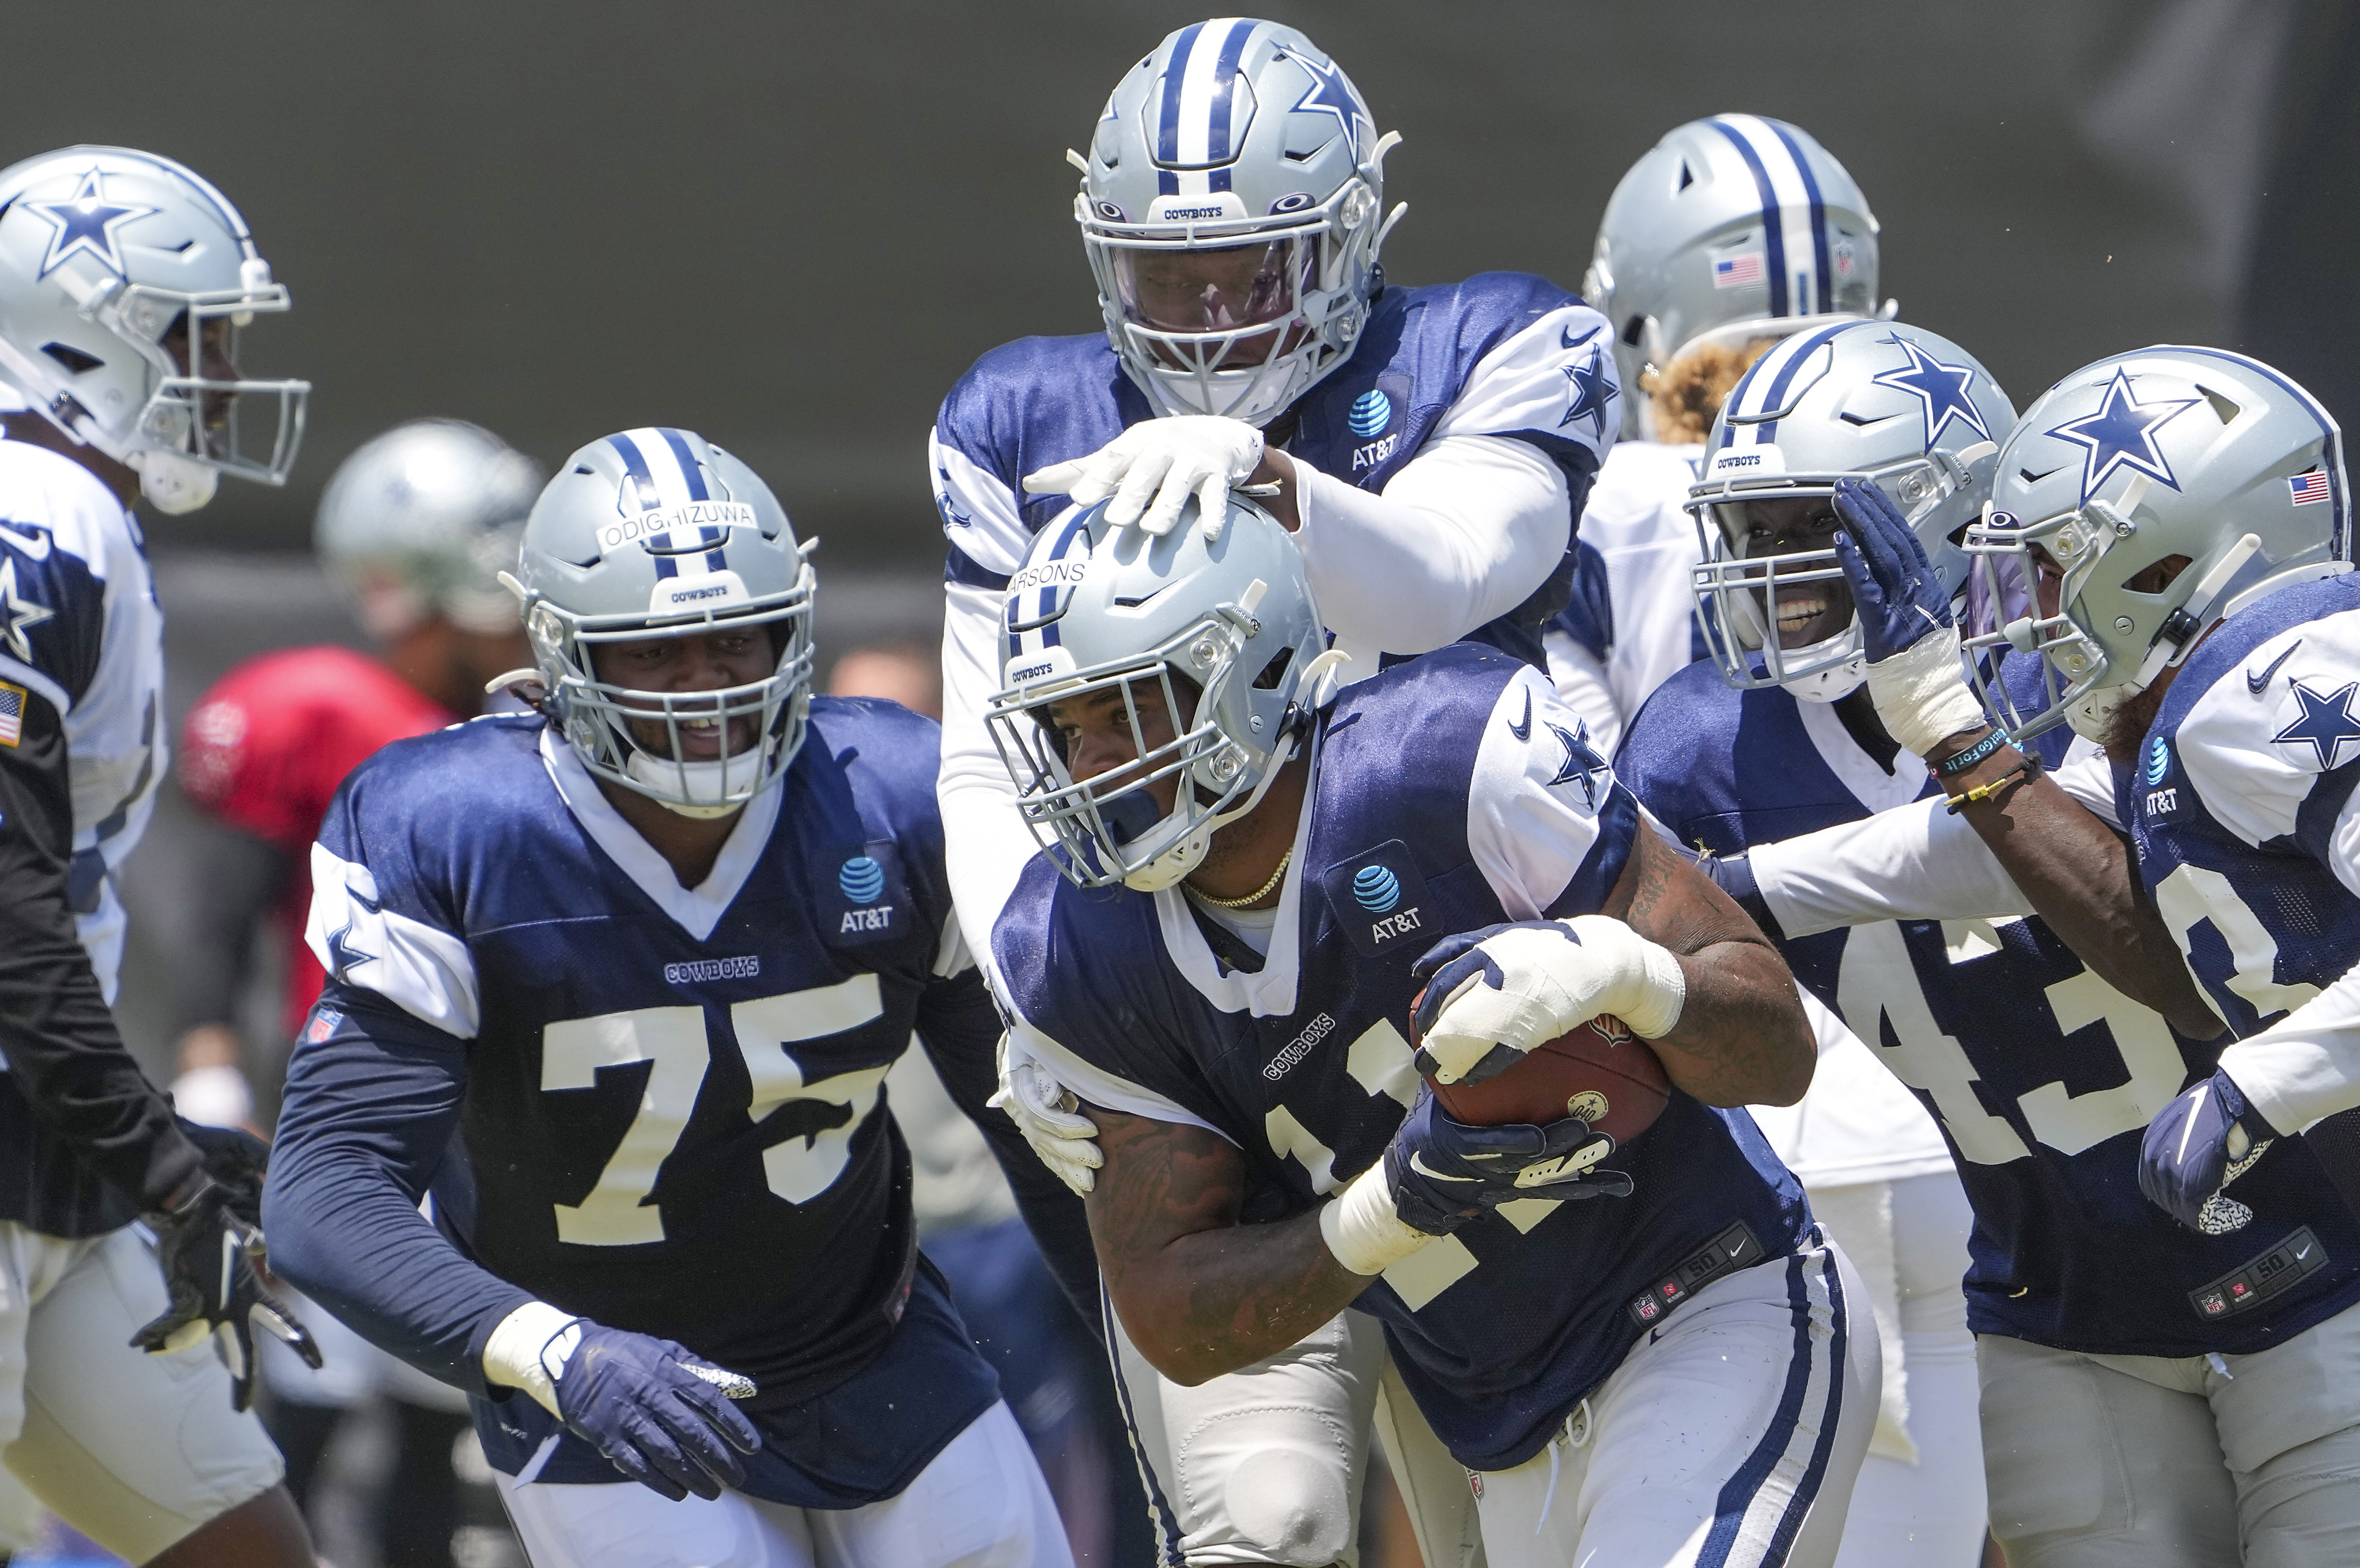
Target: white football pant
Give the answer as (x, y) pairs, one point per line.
(134, 1450)
(1728, 1438)
(981, 1504)
(2116, 1460)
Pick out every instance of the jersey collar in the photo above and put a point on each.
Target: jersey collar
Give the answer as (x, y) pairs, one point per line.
(695, 910)
(1271, 991)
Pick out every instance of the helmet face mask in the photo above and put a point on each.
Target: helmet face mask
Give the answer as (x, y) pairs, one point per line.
(1209, 687)
(1240, 149)
(1894, 405)
(658, 534)
(126, 281)
(2223, 481)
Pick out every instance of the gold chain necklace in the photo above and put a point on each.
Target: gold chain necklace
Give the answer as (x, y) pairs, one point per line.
(1256, 896)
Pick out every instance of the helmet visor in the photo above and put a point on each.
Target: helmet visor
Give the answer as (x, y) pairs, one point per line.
(1224, 289)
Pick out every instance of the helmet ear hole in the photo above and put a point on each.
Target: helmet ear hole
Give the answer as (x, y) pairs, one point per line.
(1274, 671)
(75, 361)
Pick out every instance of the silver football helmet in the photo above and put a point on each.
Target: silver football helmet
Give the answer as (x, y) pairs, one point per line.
(1231, 206)
(417, 525)
(1735, 226)
(113, 264)
(1223, 632)
(1898, 406)
(659, 533)
(2127, 464)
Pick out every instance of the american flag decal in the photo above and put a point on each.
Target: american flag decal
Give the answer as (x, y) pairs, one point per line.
(2308, 488)
(11, 714)
(1737, 271)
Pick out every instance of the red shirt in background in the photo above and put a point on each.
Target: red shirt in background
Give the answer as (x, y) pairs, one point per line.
(265, 749)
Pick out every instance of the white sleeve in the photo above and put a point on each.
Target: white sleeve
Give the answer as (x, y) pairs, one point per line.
(1536, 808)
(1914, 862)
(426, 972)
(1581, 683)
(980, 515)
(1467, 531)
(985, 841)
(2306, 1065)
(2088, 778)
(2343, 844)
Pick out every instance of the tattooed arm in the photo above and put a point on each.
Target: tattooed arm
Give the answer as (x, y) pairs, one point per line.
(1199, 1293)
(1742, 1038)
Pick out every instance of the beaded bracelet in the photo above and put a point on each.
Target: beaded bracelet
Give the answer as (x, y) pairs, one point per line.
(2024, 772)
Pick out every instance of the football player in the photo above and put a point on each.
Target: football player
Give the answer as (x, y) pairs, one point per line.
(1731, 233)
(124, 280)
(412, 528)
(1431, 448)
(1776, 735)
(612, 985)
(1242, 871)
(2168, 528)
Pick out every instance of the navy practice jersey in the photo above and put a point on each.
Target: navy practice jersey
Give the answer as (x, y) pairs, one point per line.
(1500, 355)
(1449, 793)
(663, 1107)
(2042, 1075)
(81, 748)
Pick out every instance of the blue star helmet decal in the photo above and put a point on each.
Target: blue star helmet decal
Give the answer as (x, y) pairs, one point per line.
(2121, 434)
(1329, 94)
(1593, 390)
(1581, 765)
(1941, 389)
(17, 613)
(2327, 721)
(87, 222)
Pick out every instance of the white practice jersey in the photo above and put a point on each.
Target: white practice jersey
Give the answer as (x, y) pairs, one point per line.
(80, 628)
(1632, 618)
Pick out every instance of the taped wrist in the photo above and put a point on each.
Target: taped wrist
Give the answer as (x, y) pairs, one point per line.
(512, 1354)
(1652, 989)
(1362, 1229)
(1922, 693)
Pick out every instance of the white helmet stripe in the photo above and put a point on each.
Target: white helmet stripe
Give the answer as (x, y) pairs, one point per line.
(666, 484)
(1206, 102)
(1790, 235)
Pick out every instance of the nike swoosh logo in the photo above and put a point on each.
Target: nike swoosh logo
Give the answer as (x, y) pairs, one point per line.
(2304, 1254)
(1739, 1247)
(2031, 478)
(35, 545)
(1417, 1163)
(1524, 731)
(2257, 684)
(1564, 338)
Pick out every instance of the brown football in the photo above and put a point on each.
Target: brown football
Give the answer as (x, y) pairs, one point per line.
(1600, 1071)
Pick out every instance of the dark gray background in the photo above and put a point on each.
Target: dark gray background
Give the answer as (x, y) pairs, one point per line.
(790, 226)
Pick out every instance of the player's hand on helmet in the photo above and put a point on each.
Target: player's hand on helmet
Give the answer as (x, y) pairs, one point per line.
(661, 1414)
(1493, 995)
(1902, 608)
(2196, 1146)
(1049, 1116)
(1444, 1172)
(213, 1280)
(1153, 467)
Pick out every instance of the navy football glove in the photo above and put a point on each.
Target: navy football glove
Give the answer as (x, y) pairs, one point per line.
(213, 1262)
(1895, 593)
(1444, 1172)
(2198, 1145)
(659, 1413)
(236, 1160)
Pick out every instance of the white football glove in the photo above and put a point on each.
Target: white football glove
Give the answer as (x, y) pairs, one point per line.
(1049, 1116)
(1167, 460)
(1495, 993)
